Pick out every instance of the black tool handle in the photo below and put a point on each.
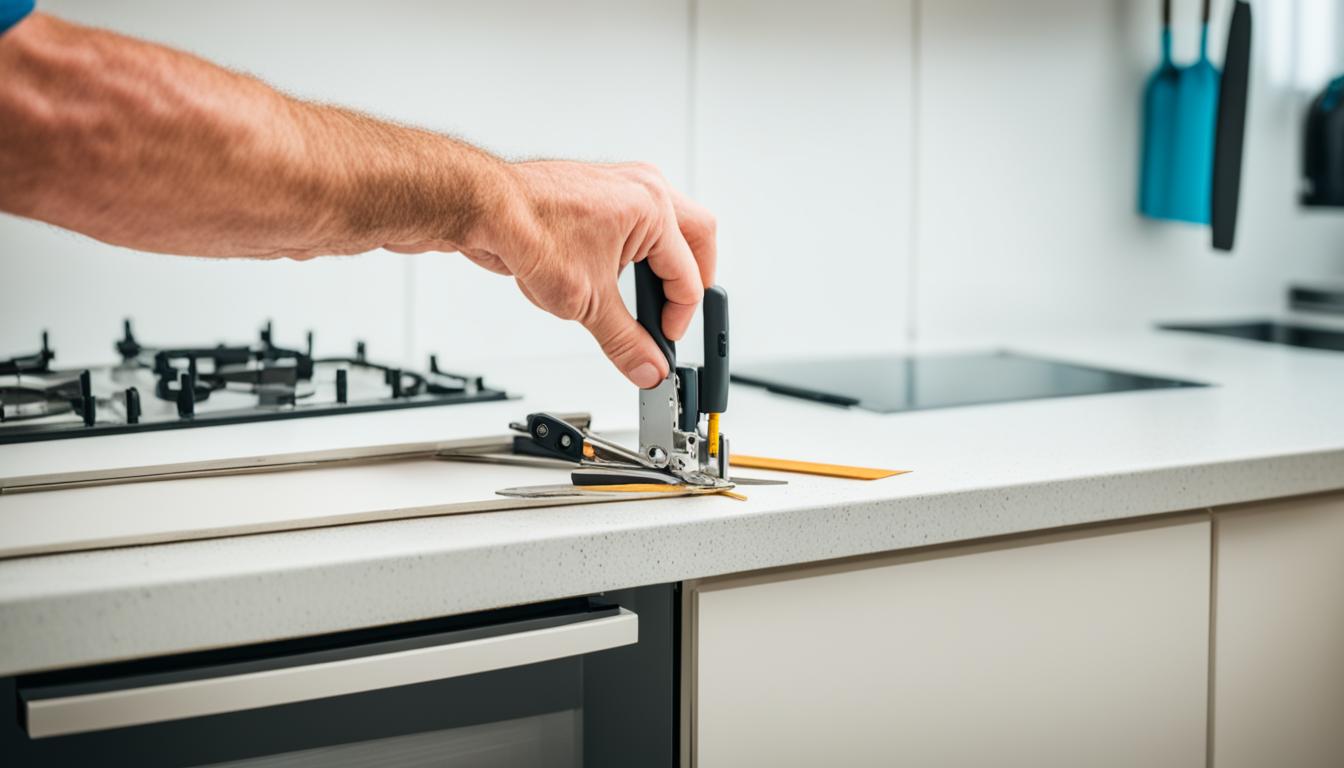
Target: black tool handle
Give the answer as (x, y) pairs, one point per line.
(714, 376)
(649, 302)
(555, 435)
(1231, 127)
(688, 393)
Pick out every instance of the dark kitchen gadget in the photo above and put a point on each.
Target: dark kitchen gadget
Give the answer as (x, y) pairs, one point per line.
(1231, 132)
(1323, 148)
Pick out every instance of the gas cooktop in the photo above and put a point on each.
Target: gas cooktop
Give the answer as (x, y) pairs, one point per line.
(155, 388)
(892, 384)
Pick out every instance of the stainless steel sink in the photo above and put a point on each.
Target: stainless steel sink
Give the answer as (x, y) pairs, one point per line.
(1271, 331)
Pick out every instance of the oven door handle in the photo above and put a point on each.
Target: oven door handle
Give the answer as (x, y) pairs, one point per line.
(64, 715)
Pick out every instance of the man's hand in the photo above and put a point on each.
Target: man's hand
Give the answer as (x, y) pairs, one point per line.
(143, 146)
(565, 231)
(582, 224)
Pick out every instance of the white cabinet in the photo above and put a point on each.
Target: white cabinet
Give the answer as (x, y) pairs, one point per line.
(1278, 692)
(1080, 648)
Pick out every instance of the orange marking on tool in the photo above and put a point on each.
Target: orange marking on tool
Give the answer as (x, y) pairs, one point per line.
(813, 468)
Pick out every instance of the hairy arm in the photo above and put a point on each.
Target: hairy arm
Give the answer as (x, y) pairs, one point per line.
(143, 146)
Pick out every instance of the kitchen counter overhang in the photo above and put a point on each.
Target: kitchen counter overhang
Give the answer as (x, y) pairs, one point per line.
(1272, 426)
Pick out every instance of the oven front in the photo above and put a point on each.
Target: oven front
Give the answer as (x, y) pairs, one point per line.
(580, 682)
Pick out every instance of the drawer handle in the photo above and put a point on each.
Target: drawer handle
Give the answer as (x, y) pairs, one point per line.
(61, 716)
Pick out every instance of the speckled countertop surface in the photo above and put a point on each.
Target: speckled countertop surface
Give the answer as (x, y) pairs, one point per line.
(1273, 426)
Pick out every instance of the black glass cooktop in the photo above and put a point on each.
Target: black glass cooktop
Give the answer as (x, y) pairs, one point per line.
(890, 384)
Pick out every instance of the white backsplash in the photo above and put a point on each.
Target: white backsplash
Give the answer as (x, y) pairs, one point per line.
(956, 171)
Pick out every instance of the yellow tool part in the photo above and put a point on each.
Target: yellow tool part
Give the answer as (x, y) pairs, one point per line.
(713, 434)
(813, 468)
(663, 488)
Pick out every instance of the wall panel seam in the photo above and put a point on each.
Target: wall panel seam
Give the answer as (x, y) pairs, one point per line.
(912, 245)
(692, 95)
(1209, 707)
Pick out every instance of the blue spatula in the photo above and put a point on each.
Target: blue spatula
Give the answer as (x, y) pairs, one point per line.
(1159, 111)
(1196, 117)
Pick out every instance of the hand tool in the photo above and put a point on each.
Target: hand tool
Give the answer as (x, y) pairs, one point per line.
(672, 449)
(550, 440)
(669, 413)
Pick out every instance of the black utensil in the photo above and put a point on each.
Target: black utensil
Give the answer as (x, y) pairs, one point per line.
(1227, 149)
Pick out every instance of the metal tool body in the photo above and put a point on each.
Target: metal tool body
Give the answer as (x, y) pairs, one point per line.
(600, 461)
(548, 440)
(670, 413)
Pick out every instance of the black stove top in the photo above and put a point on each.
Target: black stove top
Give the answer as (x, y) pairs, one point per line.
(892, 384)
(155, 388)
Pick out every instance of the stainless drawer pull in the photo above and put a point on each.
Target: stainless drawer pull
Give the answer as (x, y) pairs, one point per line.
(61, 716)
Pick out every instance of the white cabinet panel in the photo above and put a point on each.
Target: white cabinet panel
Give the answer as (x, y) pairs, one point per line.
(1086, 648)
(802, 149)
(1279, 635)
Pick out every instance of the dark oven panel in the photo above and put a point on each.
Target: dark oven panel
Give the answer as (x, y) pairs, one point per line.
(579, 682)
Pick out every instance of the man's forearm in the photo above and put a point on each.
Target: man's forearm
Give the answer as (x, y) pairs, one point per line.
(147, 147)
(139, 145)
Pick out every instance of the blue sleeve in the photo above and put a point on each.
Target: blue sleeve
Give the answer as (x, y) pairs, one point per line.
(12, 11)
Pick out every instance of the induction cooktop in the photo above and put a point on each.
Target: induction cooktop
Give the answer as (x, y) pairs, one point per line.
(890, 384)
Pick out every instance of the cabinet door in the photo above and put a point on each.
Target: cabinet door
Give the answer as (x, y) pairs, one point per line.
(1083, 648)
(1279, 634)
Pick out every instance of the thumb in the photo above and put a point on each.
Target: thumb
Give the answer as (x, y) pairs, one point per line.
(626, 344)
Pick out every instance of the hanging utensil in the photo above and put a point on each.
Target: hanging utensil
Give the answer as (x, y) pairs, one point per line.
(1159, 105)
(1231, 128)
(1323, 148)
(1194, 128)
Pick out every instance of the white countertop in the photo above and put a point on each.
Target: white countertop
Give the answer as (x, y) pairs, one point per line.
(1272, 426)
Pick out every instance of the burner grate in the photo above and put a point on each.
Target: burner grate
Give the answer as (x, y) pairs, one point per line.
(38, 362)
(199, 386)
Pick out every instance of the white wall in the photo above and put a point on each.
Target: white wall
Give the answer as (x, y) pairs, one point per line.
(947, 170)
(1029, 152)
(802, 148)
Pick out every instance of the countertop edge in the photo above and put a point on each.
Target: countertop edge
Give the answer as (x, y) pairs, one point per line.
(169, 618)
